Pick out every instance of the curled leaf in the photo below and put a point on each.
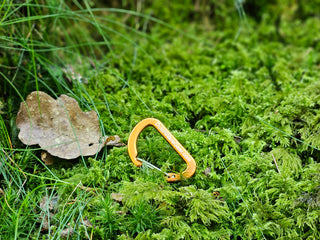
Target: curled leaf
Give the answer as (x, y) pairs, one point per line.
(47, 158)
(114, 141)
(59, 126)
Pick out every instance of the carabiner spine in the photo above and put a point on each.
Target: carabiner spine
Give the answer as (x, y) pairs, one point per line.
(184, 154)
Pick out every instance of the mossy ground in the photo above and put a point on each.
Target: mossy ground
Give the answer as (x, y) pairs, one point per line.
(240, 93)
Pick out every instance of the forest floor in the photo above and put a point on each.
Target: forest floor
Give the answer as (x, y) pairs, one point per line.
(240, 89)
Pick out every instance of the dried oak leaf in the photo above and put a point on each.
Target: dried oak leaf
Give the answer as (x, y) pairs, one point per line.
(59, 126)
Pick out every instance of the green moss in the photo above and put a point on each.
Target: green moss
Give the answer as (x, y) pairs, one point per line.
(240, 93)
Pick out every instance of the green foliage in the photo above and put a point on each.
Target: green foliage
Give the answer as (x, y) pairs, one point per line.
(185, 211)
(236, 82)
(143, 217)
(108, 217)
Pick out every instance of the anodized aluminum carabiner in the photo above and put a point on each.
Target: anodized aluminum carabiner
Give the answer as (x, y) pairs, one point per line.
(184, 154)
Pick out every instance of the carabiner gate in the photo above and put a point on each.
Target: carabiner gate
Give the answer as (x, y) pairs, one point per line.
(184, 154)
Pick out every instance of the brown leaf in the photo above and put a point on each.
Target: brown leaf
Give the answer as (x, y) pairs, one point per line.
(50, 204)
(87, 223)
(120, 212)
(87, 189)
(114, 141)
(72, 75)
(207, 171)
(44, 223)
(59, 126)
(45, 220)
(67, 233)
(238, 139)
(117, 197)
(47, 158)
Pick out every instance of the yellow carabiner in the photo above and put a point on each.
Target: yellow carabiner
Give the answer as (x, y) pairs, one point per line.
(132, 147)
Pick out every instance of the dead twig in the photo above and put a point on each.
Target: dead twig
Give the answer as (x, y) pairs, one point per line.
(2, 193)
(275, 161)
(87, 189)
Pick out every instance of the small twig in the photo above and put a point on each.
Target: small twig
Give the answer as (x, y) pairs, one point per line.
(8, 67)
(31, 29)
(69, 197)
(87, 189)
(275, 161)
(200, 130)
(5, 199)
(80, 186)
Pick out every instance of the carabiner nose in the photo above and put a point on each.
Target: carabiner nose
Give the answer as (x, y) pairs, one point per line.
(184, 154)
